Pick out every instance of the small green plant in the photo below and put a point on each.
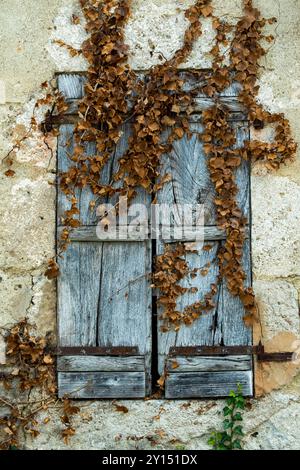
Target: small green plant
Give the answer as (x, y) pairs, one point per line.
(231, 437)
(180, 447)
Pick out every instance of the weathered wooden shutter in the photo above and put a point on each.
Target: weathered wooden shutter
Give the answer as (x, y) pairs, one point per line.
(104, 294)
(200, 374)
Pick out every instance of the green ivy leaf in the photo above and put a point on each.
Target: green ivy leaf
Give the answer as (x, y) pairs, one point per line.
(238, 431)
(230, 401)
(240, 404)
(237, 417)
(223, 447)
(228, 424)
(226, 411)
(237, 444)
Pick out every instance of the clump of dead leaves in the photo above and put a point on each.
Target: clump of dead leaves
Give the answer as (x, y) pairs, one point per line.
(29, 384)
(158, 104)
(171, 269)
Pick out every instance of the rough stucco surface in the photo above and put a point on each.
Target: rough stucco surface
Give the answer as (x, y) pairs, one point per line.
(28, 56)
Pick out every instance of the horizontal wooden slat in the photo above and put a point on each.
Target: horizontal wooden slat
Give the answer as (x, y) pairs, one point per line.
(102, 384)
(207, 384)
(71, 85)
(211, 233)
(208, 363)
(192, 81)
(88, 234)
(235, 108)
(100, 363)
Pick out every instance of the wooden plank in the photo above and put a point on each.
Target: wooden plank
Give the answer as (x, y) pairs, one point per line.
(125, 303)
(191, 80)
(104, 295)
(217, 350)
(190, 184)
(208, 363)
(100, 363)
(125, 233)
(71, 85)
(78, 290)
(208, 384)
(210, 233)
(201, 332)
(243, 172)
(231, 104)
(223, 324)
(101, 284)
(101, 384)
(230, 328)
(85, 195)
(88, 234)
(97, 351)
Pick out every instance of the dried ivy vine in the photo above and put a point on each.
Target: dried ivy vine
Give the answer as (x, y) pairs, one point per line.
(114, 94)
(30, 376)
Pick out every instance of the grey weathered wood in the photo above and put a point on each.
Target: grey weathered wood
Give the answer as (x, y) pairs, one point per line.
(100, 363)
(104, 294)
(71, 85)
(192, 82)
(89, 234)
(208, 384)
(102, 384)
(230, 328)
(125, 303)
(84, 196)
(201, 331)
(78, 288)
(223, 324)
(208, 363)
(190, 184)
(231, 104)
(210, 233)
(242, 174)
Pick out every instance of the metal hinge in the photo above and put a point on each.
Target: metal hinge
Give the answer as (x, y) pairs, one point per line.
(258, 351)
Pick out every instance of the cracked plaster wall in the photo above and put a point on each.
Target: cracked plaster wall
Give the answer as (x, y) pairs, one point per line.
(29, 57)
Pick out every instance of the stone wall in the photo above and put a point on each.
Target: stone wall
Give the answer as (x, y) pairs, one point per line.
(28, 57)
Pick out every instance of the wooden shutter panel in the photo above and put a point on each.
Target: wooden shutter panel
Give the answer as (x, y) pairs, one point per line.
(198, 375)
(104, 294)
